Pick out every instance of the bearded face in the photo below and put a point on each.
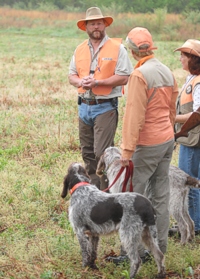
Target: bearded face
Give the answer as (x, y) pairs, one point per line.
(96, 29)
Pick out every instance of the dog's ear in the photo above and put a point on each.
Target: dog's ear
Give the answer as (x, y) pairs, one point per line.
(83, 174)
(65, 187)
(101, 166)
(82, 171)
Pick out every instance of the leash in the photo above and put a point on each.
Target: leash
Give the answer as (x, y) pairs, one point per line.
(129, 174)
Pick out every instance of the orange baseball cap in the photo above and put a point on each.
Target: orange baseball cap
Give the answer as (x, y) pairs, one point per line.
(190, 46)
(141, 36)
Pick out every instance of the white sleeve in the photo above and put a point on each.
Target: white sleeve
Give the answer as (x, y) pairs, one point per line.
(72, 66)
(124, 65)
(196, 97)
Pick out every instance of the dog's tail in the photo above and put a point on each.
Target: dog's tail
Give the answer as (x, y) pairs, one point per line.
(192, 182)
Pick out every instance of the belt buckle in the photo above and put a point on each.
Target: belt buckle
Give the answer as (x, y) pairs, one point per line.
(87, 102)
(92, 101)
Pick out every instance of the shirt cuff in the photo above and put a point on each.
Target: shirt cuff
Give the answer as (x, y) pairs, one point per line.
(127, 154)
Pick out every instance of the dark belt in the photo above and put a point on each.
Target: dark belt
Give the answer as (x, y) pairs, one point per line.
(95, 102)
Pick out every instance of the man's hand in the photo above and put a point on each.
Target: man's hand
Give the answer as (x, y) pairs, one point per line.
(124, 162)
(88, 82)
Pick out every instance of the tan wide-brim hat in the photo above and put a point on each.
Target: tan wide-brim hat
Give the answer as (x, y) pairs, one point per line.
(92, 14)
(190, 46)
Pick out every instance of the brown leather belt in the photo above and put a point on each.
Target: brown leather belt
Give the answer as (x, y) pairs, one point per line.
(95, 102)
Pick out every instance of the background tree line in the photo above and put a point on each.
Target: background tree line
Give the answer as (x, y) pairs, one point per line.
(134, 6)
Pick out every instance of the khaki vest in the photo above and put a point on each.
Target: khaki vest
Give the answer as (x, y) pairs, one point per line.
(107, 60)
(159, 86)
(185, 105)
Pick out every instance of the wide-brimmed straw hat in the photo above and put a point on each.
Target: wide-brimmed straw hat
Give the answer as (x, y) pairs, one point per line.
(141, 37)
(92, 14)
(190, 46)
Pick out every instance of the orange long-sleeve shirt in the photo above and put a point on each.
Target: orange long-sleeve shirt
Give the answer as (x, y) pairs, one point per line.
(151, 107)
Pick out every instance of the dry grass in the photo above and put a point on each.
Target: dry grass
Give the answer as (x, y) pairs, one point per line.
(53, 15)
(38, 140)
(167, 27)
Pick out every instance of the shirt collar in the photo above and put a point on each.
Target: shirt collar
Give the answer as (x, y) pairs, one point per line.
(143, 60)
(101, 43)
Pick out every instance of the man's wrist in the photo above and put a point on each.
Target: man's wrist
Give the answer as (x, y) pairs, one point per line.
(80, 83)
(96, 83)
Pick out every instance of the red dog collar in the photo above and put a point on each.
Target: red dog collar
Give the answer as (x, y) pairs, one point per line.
(77, 186)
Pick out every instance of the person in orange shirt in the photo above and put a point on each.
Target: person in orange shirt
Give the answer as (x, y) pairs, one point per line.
(147, 133)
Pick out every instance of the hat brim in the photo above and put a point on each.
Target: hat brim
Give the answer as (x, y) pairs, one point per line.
(148, 49)
(81, 23)
(188, 50)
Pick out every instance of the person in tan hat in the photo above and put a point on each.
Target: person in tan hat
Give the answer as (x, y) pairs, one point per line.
(147, 132)
(189, 101)
(99, 68)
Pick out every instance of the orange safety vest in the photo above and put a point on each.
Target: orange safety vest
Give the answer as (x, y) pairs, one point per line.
(107, 60)
(185, 105)
(186, 94)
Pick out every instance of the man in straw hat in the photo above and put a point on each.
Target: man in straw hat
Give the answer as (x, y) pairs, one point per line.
(99, 68)
(189, 101)
(148, 135)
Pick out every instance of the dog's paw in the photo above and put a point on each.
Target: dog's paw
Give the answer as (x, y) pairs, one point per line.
(161, 276)
(91, 266)
(94, 266)
(117, 260)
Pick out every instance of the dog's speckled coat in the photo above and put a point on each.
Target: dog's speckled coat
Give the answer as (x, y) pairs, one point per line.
(93, 212)
(179, 188)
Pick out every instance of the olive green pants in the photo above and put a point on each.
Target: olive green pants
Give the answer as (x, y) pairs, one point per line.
(94, 140)
(151, 177)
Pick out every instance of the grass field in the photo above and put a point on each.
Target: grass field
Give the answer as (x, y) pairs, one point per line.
(38, 140)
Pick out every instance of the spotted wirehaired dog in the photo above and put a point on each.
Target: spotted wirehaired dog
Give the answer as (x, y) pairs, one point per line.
(93, 213)
(180, 182)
